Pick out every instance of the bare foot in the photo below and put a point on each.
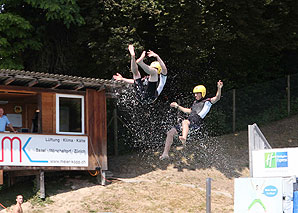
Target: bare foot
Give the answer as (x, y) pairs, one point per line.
(131, 50)
(182, 139)
(141, 57)
(163, 157)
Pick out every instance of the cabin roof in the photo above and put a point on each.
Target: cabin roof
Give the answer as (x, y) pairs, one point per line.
(54, 81)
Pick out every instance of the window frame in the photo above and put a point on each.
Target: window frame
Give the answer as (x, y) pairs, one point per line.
(58, 96)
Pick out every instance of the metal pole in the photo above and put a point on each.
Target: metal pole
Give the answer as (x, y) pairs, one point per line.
(289, 96)
(234, 110)
(208, 195)
(251, 143)
(115, 132)
(103, 178)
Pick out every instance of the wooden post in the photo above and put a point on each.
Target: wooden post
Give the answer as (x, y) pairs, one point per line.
(115, 117)
(42, 185)
(1, 177)
(37, 182)
(289, 96)
(234, 110)
(39, 126)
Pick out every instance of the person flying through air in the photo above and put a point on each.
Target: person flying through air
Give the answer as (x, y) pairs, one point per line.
(200, 108)
(147, 89)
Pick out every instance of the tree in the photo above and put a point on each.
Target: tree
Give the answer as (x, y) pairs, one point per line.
(240, 42)
(24, 25)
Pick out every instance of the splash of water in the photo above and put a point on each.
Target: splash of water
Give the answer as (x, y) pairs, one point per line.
(147, 125)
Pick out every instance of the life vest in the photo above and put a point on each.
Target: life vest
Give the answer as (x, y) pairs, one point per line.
(198, 106)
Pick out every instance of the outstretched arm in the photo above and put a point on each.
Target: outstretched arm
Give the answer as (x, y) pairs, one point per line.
(218, 93)
(183, 109)
(164, 70)
(12, 129)
(118, 77)
(149, 70)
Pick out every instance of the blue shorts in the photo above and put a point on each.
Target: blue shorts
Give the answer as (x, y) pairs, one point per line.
(192, 127)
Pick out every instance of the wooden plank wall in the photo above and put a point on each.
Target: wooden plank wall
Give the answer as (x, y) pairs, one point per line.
(96, 123)
(1, 177)
(48, 113)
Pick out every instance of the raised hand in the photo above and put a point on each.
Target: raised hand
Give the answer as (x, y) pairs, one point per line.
(174, 104)
(219, 84)
(141, 57)
(152, 54)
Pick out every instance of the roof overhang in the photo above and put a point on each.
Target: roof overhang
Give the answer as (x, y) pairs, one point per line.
(56, 81)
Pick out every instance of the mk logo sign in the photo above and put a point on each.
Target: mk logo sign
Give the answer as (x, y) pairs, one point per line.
(11, 140)
(276, 159)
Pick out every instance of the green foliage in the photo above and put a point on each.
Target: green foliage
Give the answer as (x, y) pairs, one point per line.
(24, 25)
(65, 10)
(217, 123)
(259, 103)
(239, 42)
(111, 26)
(15, 37)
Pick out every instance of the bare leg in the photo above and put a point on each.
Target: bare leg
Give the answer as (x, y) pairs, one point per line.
(185, 128)
(169, 140)
(133, 64)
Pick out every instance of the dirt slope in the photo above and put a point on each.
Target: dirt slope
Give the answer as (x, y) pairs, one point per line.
(146, 184)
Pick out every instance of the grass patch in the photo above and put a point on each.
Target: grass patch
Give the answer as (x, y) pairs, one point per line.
(37, 201)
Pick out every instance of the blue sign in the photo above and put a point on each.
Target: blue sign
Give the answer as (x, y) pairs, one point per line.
(270, 191)
(281, 159)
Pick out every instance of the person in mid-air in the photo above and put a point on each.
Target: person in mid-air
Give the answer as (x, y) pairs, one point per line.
(201, 106)
(147, 89)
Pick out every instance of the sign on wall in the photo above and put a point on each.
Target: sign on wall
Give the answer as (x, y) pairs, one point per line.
(43, 150)
(15, 119)
(275, 162)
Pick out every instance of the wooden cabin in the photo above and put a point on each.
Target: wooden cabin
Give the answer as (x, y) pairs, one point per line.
(61, 122)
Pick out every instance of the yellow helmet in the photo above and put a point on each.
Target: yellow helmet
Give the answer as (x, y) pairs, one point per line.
(201, 89)
(156, 65)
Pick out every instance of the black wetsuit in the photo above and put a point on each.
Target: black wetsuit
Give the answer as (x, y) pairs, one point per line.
(146, 90)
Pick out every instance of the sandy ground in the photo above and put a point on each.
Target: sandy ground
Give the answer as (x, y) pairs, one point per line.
(143, 183)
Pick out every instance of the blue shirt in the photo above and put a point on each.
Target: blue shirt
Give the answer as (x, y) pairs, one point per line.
(3, 123)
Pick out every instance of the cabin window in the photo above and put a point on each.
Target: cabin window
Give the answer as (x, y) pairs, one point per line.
(69, 114)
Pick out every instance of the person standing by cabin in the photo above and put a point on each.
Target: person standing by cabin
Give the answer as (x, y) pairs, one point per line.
(147, 89)
(200, 108)
(5, 122)
(18, 207)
